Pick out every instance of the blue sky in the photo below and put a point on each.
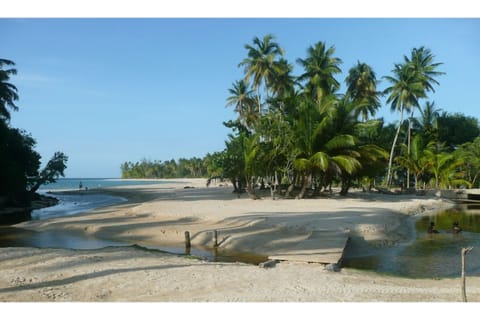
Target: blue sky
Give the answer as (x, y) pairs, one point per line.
(106, 91)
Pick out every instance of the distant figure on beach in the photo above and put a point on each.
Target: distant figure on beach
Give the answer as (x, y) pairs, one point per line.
(456, 228)
(431, 229)
(80, 186)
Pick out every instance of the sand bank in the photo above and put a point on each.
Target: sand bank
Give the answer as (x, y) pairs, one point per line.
(160, 214)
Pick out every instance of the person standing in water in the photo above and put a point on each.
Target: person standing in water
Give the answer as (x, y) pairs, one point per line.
(456, 228)
(431, 229)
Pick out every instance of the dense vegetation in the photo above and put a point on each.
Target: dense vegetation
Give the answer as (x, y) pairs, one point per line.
(20, 174)
(300, 131)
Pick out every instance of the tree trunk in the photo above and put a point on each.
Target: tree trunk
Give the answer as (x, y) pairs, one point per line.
(389, 177)
(345, 186)
(408, 149)
(304, 186)
(291, 186)
(250, 191)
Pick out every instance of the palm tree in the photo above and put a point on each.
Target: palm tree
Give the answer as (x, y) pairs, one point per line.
(423, 67)
(318, 149)
(444, 167)
(243, 100)
(320, 67)
(362, 89)
(428, 122)
(421, 60)
(282, 82)
(416, 160)
(8, 92)
(260, 64)
(404, 91)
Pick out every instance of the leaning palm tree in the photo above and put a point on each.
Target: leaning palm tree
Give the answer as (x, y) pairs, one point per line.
(260, 64)
(8, 92)
(320, 67)
(406, 87)
(362, 90)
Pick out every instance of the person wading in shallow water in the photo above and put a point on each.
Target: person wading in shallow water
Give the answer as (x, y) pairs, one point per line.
(431, 229)
(456, 228)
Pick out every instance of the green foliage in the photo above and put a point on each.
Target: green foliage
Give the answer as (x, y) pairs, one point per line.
(53, 170)
(19, 162)
(8, 92)
(183, 168)
(456, 129)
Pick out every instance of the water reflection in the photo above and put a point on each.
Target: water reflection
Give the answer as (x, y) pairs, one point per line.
(430, 255)
(18, 237)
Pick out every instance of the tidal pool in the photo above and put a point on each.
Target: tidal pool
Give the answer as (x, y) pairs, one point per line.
(427, 255)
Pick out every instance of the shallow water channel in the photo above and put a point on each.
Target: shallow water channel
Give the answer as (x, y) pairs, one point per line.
(430, 255)
(424, 256)
(11, 236)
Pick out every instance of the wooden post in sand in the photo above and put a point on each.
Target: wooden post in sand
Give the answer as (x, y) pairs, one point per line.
(187, 240)
(464, 252)
(215, 239)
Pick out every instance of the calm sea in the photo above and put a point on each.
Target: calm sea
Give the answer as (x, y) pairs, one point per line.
(94, 183)
(70, 204)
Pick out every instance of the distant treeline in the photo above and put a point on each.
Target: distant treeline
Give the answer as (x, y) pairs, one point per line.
(183, 168)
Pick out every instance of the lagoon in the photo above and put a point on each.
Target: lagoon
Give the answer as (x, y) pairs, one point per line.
(430, 255)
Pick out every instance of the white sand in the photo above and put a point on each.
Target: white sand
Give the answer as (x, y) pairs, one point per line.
(159, 215)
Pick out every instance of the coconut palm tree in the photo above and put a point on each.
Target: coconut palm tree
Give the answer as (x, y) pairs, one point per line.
(362, 90)
(428, 122)
(318, 148)
(444, 167)
(421, 60)
(244, 102)
(320, 67)
(282, 82)
(415, 161)
(406, 87)
(260, 65)
(422, 66)
(8, 92)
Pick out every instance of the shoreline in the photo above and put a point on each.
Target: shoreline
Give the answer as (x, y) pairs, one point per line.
(156, 215)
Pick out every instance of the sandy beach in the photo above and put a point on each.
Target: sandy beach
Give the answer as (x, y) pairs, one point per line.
(159, 215)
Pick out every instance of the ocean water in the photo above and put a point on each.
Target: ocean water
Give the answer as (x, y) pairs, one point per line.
(71, 204)
(95, 183)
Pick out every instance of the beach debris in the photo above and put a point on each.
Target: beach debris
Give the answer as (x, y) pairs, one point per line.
(268, 264)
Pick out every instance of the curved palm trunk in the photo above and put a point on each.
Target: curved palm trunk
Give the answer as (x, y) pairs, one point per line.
(389, 174)
(291, 186)
(305, 181)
